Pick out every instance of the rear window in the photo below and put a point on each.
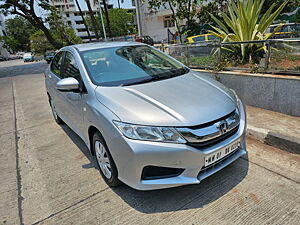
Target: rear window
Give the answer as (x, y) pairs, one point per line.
(211, 37)
(199, 38)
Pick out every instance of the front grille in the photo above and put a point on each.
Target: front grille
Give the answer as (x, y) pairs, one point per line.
(211, 133)
(213, 141)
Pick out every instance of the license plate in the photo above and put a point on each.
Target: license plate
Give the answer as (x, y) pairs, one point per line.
(218, 155)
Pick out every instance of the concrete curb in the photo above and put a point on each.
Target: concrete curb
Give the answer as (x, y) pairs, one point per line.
(286, 143)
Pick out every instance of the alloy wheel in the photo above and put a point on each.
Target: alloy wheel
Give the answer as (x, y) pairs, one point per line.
(102, 158)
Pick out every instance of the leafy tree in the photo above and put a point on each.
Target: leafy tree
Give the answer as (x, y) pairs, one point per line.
(211, 7)
(182, 10)
(18, 33)
(122, 22)
(297, 16)
(39, 42)
(288, 8)
(245, 24)
(26, 9)
(61, 32)
(10, 43)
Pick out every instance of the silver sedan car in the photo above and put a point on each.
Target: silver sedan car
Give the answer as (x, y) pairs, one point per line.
(149, 121)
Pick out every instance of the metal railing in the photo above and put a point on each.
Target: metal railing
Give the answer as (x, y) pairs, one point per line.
(271, 56)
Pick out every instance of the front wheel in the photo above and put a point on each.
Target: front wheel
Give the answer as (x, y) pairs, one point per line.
(105, 162)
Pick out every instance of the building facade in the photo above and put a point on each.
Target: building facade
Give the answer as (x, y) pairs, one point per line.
(3, 51)
(70, 13)
(158, 25)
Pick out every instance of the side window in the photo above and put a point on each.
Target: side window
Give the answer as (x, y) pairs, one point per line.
(211, 37)
(70, 68)
(56, 64)
(199, 38)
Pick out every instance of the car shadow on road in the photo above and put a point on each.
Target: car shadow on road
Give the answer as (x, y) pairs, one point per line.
(186, 197)
(174, 199)
(81, 145)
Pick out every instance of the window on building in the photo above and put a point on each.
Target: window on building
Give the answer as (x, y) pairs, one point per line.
(168, 21)
(81, 30)
(70, 23)
(68, 15)
(79, 22)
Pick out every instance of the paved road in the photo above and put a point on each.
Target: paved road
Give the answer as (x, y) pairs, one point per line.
(48, 177)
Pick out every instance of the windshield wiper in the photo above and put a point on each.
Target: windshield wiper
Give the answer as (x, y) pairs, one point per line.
(150, 79)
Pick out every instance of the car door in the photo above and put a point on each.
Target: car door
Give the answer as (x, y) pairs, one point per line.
(71, 102)
(54, 76)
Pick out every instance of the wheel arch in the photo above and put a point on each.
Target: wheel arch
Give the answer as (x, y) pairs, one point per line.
(91, 131)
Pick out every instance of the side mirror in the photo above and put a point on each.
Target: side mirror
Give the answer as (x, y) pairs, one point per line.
(67, 84)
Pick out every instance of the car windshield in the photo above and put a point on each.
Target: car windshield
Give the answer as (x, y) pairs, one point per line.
(129, 65)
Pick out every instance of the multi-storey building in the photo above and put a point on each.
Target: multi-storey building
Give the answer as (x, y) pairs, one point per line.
(71, 15)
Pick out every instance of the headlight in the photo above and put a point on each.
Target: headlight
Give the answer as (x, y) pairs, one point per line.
(149, 133)
(233, 91)
(237, 98)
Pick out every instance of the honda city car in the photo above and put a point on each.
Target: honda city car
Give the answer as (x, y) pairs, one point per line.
(149, 121)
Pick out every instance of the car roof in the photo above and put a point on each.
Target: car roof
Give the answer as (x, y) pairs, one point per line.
(98, 45)
(201, 35)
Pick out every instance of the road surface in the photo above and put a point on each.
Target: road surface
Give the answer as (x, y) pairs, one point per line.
(48, 176)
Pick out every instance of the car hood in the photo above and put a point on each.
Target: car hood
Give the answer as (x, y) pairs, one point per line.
(187, 100)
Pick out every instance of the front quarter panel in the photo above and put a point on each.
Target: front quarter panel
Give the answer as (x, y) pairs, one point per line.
(100, 117)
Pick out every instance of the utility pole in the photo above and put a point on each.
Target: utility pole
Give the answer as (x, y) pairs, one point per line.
(103, 27)
(138, 16)
(107, 18)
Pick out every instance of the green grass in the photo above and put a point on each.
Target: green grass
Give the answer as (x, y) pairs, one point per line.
(203, 61)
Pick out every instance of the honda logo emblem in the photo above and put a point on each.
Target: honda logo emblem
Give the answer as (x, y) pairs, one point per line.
(222, 126)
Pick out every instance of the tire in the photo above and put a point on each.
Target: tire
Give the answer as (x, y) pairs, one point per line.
(105, 162)
(57, 119)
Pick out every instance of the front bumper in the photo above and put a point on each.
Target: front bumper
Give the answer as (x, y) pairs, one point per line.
(131, 156)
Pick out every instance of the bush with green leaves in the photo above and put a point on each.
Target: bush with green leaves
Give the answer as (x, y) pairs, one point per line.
(244, 22)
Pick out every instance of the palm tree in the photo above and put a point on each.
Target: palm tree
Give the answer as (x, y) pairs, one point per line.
(81, 14)
(94, 23)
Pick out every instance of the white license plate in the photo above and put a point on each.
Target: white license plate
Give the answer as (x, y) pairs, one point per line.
(216, 156)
